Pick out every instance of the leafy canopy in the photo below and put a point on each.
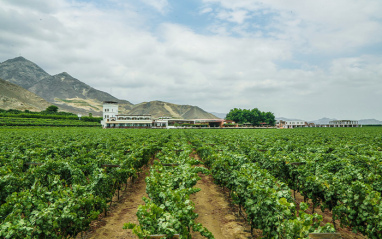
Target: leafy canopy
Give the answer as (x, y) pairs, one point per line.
(254, 117)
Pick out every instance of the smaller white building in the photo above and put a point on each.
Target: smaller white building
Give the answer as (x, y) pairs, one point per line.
(344, 123)
(294, 124)
(110, 110)
(111, 118)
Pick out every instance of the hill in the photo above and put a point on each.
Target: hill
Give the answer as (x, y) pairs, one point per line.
(161, 109)
(21, 72)
(370, 121)
(219, 115)
(13, 96)
(72, 95)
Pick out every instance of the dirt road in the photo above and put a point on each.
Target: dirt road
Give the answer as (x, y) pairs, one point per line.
(215, 212)
(110, 227)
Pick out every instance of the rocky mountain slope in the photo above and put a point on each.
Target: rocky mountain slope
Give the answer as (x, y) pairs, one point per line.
(162, 109)
(21, 72)
(73, 95)
(70, 94)
(13, 96)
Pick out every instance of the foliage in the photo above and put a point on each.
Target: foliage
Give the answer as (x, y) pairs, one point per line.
(169, 209)
(266, 201)
(52, 109)
(60, 197)
(254, 116)
(340, 171)
(45, 118)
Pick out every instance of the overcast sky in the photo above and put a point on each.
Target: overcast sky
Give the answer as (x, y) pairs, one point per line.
(298, 59)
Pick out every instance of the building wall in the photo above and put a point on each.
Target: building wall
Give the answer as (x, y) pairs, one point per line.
(294, 124)
(109, 110)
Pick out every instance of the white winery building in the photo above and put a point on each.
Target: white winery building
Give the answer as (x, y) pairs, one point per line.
(111, 118)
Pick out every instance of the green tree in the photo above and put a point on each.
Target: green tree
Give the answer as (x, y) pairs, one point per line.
(235, 115)
(270, 118)
(52, 109)
(254, 116)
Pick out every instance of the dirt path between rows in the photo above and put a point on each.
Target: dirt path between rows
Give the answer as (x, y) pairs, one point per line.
(215, 211)
(211, 204)
(123, 211)
(216, 214)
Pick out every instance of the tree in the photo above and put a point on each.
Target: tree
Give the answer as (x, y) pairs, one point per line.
(52, 109)
(235, 115)
(254, 116)
(270, 118)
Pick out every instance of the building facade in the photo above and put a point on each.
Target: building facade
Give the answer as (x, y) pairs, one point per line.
(112, 119)
(294, 124)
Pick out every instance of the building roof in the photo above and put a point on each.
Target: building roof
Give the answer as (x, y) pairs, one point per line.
(209, 120)
(131, 115)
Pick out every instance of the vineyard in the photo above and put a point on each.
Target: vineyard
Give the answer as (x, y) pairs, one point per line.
(54, 182)
(13, 121)
(60, 119)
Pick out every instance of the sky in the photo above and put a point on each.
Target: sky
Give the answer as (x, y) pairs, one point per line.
(297, 59)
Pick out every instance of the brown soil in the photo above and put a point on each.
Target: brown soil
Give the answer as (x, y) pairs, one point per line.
(216, 214)
(212, 204)
(121, 212)
(346, 233)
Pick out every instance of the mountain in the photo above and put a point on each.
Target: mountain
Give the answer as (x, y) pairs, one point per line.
(70, 94)
(219, 115)
(64, 86)
(13, 96)
(287, 119)
(322, 121)
(162, 109)
(21, 72)
(369, 121)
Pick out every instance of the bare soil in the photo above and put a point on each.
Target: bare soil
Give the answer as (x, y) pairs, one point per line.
(121, 212)
(212, 203)
(216, 213)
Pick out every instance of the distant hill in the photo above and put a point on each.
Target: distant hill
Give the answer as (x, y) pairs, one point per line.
(322, 120)
(70, 94)
(369, 121)
(13, 96)
(219, 115)
(161, 109)
(286, 119)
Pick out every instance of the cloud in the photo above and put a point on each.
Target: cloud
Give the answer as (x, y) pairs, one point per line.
(325, 25)
(248, 55)
(238, 16)
(161, 6)
(206, 10)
